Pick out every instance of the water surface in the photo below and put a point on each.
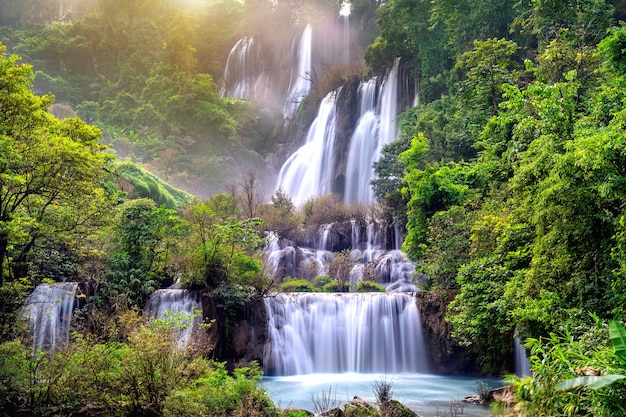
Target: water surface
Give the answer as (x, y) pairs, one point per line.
(426, 394)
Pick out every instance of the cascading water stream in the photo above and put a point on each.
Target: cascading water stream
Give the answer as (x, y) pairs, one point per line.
(389, 108)
(363, 145)
(174, 301)
(308, 171)
(242, 70)
(49, 311)
(301, 85)
(375, 128)
(336, 333)
(522, 365)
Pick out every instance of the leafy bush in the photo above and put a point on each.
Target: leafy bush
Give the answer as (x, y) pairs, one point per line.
(369, 286)
(560, 363)
(218, 394)
(320, 281)
(297, 285)
(332, 286)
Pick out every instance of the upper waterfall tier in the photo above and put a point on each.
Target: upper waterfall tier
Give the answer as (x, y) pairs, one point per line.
(279, 69)
(316, 168)
(331, 333)
(49, 311)
(307, 172)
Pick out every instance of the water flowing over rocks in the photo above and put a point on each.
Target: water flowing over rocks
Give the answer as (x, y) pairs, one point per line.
(329, 333)
(177, 304)
(49, 311)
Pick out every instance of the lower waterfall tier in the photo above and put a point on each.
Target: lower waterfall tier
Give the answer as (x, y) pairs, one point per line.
(349, 332)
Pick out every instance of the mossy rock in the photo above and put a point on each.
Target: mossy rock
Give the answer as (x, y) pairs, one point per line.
(360, 408)
(334, 412)
(400, 410)
(296, 413)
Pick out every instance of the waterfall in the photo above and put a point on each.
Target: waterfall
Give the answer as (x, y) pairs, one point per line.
(308, 172)
(324, 235)
(375, 128)
(173, 300)
(363, 146)
(522, 365)
(389, 108)
(336, 333)
(344, 12)
(49, 311)
(242, 70)
(301, 85)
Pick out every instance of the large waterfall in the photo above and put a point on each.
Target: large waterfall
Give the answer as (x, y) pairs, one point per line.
(308, 171)
(49, 311)
(330, 333)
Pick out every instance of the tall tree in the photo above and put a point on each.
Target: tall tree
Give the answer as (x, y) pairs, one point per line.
(45, 164)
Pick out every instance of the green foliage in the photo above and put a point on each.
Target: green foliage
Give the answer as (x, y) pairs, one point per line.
(139, 183)
(322, 280)
(146, 237)
(148, 374)
(556, 358)
(295, 413)
(223, 248)
(219, 394)
(369, 286)
(12, 296)
(50, 170)
(297, 285)
(617, 333)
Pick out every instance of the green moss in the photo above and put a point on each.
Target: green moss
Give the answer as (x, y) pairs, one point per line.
(143, 184)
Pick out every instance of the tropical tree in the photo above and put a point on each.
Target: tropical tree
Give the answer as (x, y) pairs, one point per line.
(49, 169)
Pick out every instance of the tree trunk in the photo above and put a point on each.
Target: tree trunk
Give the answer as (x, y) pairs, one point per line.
(4, 241)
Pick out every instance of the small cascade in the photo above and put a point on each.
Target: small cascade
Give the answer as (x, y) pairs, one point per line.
(396, 271)
(355, 234)
(522, 365)
(49, 311)
(300, 86)
(308, 172)
(324, 235)
(336, 333)
(372, 258)
(175, 300)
